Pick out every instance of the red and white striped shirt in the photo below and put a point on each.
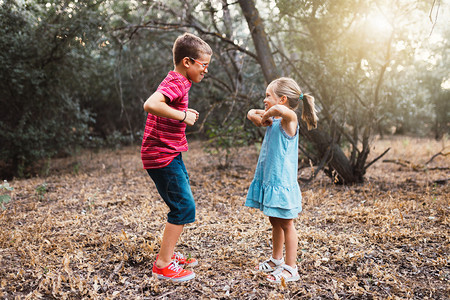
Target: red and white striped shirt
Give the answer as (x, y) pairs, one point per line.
(165, 138)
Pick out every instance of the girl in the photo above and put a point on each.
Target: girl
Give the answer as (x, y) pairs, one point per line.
(275, 189)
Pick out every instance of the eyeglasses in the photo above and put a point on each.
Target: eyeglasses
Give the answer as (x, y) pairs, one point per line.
(204, 66)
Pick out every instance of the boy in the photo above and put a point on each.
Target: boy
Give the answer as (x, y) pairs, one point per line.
(164, 140)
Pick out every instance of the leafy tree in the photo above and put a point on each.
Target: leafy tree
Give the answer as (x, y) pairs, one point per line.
(76, 73)
(347, 54)
(233, 76)
(44, 58)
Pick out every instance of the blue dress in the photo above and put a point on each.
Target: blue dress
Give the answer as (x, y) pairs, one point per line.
(274, 189)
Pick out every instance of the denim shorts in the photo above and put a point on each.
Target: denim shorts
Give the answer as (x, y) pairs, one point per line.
(172, 182)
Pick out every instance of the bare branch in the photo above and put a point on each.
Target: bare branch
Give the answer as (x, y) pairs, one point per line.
(223, 85)
(373, 161)
(383, 68)
(436, 155)
(414, 167)
(165, 26)
(306, 153)
(323, 162)
(202, 124)
(357, 96)
(403, 163)
(436, 17)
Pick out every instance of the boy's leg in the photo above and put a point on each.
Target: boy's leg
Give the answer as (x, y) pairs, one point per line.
(173, 185)
(170, 237)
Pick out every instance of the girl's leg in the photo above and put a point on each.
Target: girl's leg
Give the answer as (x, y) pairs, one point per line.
(170, 237)
(291, 241)
(277, 238)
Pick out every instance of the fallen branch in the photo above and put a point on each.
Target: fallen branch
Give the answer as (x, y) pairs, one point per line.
(436, 155)
(403, 163)
(417, 168)
(441, 181)
(166, 294)
(438, 169)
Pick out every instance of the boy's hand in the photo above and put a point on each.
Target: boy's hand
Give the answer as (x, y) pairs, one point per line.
(191, 117)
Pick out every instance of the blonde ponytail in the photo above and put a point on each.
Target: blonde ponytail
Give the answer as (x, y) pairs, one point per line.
(286, 86)
(309, 113)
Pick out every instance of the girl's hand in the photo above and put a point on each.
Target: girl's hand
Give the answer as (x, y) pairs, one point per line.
(288, 118)
(191, 117)
(266, 119)
(255, 115)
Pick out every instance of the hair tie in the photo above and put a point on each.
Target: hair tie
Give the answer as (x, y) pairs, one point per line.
(301, 96)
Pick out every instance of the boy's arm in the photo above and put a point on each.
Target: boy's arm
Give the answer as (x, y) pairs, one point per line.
(255, 115)
(156, 105)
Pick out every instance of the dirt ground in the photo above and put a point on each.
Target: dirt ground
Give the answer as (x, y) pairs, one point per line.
(92, 228)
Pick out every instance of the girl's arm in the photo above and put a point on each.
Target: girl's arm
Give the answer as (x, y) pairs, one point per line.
(156, 105)
(255, 115)
(289, 120)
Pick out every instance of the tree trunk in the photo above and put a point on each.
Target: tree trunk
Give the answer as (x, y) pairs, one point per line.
(259, 37)
(337, 160)
(322, 141)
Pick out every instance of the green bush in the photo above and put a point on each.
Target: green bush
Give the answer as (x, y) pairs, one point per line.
(5, 190)
(41, 83)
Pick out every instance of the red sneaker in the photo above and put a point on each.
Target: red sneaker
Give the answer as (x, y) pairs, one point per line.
(173, 272)
(182, 260)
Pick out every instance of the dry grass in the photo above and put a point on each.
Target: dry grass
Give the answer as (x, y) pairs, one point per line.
(94, 230)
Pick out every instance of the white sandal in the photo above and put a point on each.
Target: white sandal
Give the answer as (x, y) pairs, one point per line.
(266, 267)
(278, 274)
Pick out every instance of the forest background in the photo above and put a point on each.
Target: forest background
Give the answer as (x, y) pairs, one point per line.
(80, 219)
(74, 74)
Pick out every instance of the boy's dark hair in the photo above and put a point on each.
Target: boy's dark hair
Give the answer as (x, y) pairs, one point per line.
(189, 45)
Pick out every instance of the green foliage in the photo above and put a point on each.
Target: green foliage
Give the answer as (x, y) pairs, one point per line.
(60, 70)
(365, 60)
(41, 190)
(225, 141)
(442, 108)
(75, 73)
(5, 196)
(41, 80)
